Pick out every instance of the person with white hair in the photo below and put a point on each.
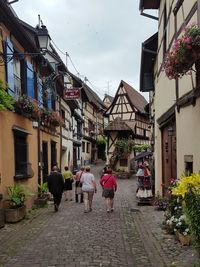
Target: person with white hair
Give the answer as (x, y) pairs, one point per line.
(88, 188)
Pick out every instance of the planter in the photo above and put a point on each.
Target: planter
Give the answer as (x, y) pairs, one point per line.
(15, 215)
(2, 218)
(41, 202)
(185, 240)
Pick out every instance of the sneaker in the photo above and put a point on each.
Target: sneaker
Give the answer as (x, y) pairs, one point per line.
(56, 207)
(85, 211)
(108, 211)
(112, 210)
(66, 199)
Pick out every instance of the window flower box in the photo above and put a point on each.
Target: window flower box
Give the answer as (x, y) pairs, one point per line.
(27, 107)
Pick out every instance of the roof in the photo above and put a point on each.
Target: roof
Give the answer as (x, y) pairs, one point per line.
(117, 125)
(93, 97)
(136, 99)
(148, 56)
(88, 93)
(109, 97)
(149, 4)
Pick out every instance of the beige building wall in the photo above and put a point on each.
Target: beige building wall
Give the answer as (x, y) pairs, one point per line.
(188, 132)
(165, 97)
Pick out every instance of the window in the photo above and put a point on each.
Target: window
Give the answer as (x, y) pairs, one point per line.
(88, 148)
(53, 154)
(21, 154)
(123, 162)
(83, 147)
(63, 114)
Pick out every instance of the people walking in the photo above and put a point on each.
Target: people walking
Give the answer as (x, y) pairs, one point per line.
(78, 185)
(88, 187)
(109, 185)
(55, 184)
(68, 178)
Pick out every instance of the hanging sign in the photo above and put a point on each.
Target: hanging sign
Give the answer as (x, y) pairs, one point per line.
(72, 93)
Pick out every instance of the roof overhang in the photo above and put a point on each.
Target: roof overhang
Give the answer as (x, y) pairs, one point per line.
(148, 56)
(149, 4)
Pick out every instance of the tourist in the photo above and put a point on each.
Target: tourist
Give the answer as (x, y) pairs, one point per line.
(55, 184)
(68, 178)
(78, 185)
(88, 188)
(109, 185)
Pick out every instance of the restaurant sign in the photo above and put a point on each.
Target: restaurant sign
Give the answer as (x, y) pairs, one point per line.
(72, 93)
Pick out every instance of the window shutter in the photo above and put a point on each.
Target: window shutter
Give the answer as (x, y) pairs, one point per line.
(40, 93)
(30, 89)
(9, 67)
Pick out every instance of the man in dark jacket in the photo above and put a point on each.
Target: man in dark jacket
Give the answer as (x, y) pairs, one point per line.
(55, 183)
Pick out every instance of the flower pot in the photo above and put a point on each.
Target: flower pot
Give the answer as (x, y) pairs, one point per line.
(185, 240)
(41, 202)
(15, 215)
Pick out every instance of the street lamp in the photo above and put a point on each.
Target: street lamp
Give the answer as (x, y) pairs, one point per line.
(43, 37)
(43, 40)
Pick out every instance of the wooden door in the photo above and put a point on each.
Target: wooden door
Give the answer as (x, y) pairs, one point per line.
(169, 164)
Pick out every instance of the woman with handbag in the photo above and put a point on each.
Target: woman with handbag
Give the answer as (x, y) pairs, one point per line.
(109, 185)
(78, 185)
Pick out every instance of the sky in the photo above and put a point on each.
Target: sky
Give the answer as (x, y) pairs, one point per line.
(102, 37)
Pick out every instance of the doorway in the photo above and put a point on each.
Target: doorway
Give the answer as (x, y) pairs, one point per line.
(45, 171)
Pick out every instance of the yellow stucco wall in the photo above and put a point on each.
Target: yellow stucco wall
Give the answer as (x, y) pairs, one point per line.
(9, 119)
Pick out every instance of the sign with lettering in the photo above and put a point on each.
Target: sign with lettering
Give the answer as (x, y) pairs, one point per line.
(72, 93)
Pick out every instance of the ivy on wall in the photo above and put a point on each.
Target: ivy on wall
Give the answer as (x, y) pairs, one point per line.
(6, 101)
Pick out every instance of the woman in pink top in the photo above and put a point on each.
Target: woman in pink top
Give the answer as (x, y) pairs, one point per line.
(108, 182)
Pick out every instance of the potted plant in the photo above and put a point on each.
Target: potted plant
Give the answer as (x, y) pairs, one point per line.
(42, 198)
(161, 203)
(184, 53)
(16, 209)
(188, 188)
(182, 231)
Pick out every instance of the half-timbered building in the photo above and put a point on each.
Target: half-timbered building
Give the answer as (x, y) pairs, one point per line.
(127, 119)
(175, 103)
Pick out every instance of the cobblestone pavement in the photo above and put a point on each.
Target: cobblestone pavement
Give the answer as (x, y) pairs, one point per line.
(130, 236)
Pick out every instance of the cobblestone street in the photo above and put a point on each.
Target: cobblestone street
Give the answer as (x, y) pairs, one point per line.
(130, 236)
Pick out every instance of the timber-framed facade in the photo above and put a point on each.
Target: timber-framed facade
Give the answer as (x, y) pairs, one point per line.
(127, 119)
(175, 104)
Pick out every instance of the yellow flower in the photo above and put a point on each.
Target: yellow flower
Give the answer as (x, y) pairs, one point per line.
(187, 183)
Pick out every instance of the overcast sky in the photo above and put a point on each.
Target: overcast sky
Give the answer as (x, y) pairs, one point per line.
(102, 37)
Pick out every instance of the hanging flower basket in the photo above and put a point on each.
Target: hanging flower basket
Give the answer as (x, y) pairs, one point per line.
(185, 52)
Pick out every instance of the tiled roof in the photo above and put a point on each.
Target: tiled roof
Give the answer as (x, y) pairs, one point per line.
(117, 125)
(136, 99)
(109, 97)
